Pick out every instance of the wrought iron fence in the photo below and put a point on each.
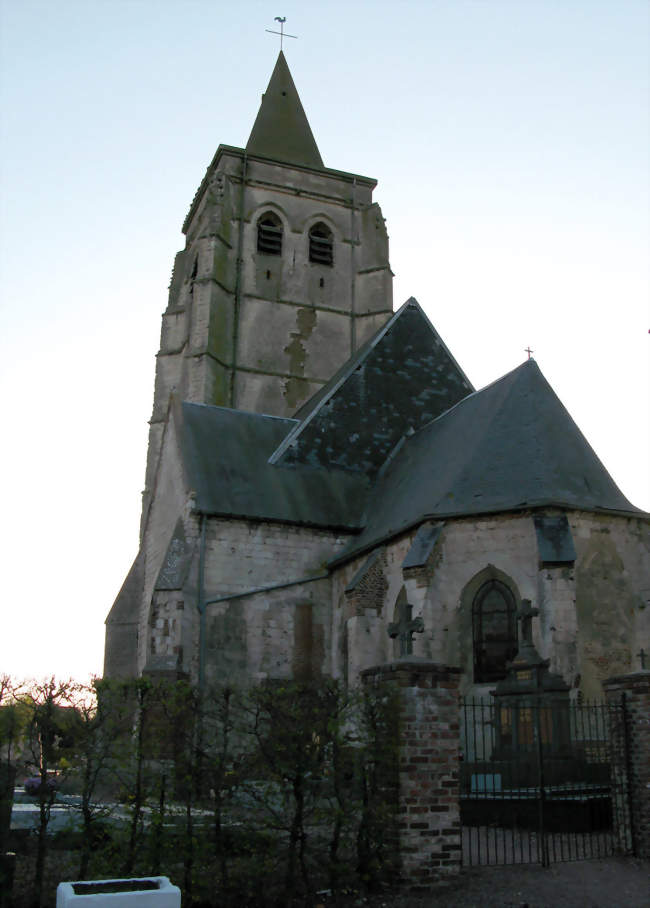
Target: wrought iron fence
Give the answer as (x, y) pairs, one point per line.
(541, 783)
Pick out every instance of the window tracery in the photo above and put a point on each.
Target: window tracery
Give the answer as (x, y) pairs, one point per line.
(494, 629)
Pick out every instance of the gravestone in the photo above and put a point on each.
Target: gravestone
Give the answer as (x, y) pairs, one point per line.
(532, 703)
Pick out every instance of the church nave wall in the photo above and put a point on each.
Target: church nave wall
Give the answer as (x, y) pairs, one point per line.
(593, 615)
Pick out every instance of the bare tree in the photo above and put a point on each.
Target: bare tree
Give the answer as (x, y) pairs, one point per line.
(46, 742)
(101, 715)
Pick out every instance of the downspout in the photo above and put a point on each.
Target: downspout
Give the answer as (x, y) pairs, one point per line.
(353, 303)
(238, 281)
(266, 589)
(201, 605)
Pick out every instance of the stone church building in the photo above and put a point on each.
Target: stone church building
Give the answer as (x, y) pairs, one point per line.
(320, 466)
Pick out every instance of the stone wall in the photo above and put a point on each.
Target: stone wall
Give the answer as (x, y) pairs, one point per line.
(170, 501)
(612, 595)
(279, 633)
(594, 613)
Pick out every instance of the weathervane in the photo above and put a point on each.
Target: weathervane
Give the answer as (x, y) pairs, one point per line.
(281, 20)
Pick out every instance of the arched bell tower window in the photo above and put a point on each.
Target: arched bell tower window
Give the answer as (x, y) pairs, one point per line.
(269, 234)
(321, 245)
(494, 626)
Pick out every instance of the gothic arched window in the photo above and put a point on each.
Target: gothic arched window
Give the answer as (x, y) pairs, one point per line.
(321, 245)
(494, 627)
(269, 234)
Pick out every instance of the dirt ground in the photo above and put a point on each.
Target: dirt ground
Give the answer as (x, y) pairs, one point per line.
(605, 883)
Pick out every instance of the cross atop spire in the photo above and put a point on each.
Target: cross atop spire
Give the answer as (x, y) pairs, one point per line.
(281, 130)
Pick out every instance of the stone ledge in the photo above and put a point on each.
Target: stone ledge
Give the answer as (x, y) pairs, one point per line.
(640, 677)
(412, 668)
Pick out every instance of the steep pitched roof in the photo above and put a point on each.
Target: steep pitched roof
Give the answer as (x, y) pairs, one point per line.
(281, 130)
(511, 446)
(400, 379)
(226, 453)
(125, 608)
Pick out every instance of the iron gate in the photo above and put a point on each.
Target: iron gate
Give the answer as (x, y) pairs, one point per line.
(540, 784)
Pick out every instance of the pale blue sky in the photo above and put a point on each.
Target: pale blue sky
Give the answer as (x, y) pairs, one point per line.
(510, 141)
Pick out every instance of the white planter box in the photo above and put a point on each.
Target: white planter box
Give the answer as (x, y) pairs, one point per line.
(141, 892)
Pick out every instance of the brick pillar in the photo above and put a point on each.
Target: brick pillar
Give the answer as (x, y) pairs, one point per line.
(426, 805)
(631, 760)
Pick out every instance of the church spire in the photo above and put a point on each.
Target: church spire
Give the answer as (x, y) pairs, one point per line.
(281, 130)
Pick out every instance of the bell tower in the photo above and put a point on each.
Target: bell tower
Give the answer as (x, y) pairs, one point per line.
(284, 274)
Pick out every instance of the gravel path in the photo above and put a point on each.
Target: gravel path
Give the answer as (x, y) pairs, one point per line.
(608, 883)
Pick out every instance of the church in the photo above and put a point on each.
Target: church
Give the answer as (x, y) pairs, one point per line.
(321, 470)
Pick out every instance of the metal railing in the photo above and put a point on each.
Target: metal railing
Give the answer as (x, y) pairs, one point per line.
(543, 783)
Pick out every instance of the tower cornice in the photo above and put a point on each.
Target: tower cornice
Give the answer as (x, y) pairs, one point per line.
(241, 153)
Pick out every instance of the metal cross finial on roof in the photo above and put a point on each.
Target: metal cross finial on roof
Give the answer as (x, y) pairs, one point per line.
(281, 20)
(528, 351)
(405, 628)
(642, 656)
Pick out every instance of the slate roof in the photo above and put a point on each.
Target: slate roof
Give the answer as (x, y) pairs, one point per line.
(401, 378)
(353, 460)
(281, 130)
(122, 609)
(508, 447)
(226, 453)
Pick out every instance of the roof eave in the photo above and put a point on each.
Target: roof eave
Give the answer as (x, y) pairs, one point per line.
(351, 554)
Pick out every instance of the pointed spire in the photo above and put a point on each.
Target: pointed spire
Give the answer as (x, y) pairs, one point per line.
(281, 130)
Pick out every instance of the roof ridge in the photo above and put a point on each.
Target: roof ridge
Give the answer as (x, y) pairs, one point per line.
(468, 397)
(196, 403)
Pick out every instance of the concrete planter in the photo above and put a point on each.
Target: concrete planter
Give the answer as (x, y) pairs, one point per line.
(145, 892)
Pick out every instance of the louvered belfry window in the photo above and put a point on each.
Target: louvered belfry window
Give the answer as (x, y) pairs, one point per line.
(321, 245)
(495, 631)
(269, 234)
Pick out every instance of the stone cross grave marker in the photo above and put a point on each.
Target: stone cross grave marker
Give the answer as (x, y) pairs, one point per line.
(525, 614)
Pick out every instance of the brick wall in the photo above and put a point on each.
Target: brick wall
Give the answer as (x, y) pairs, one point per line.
(427, 835)
(632, 762)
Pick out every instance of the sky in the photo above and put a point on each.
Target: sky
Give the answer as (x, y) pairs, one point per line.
(510, 142)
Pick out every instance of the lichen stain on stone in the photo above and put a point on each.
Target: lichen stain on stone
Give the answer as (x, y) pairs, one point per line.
(275, 641)
(295, 389)
(604, 606)
(303, 641)
(227, 644)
